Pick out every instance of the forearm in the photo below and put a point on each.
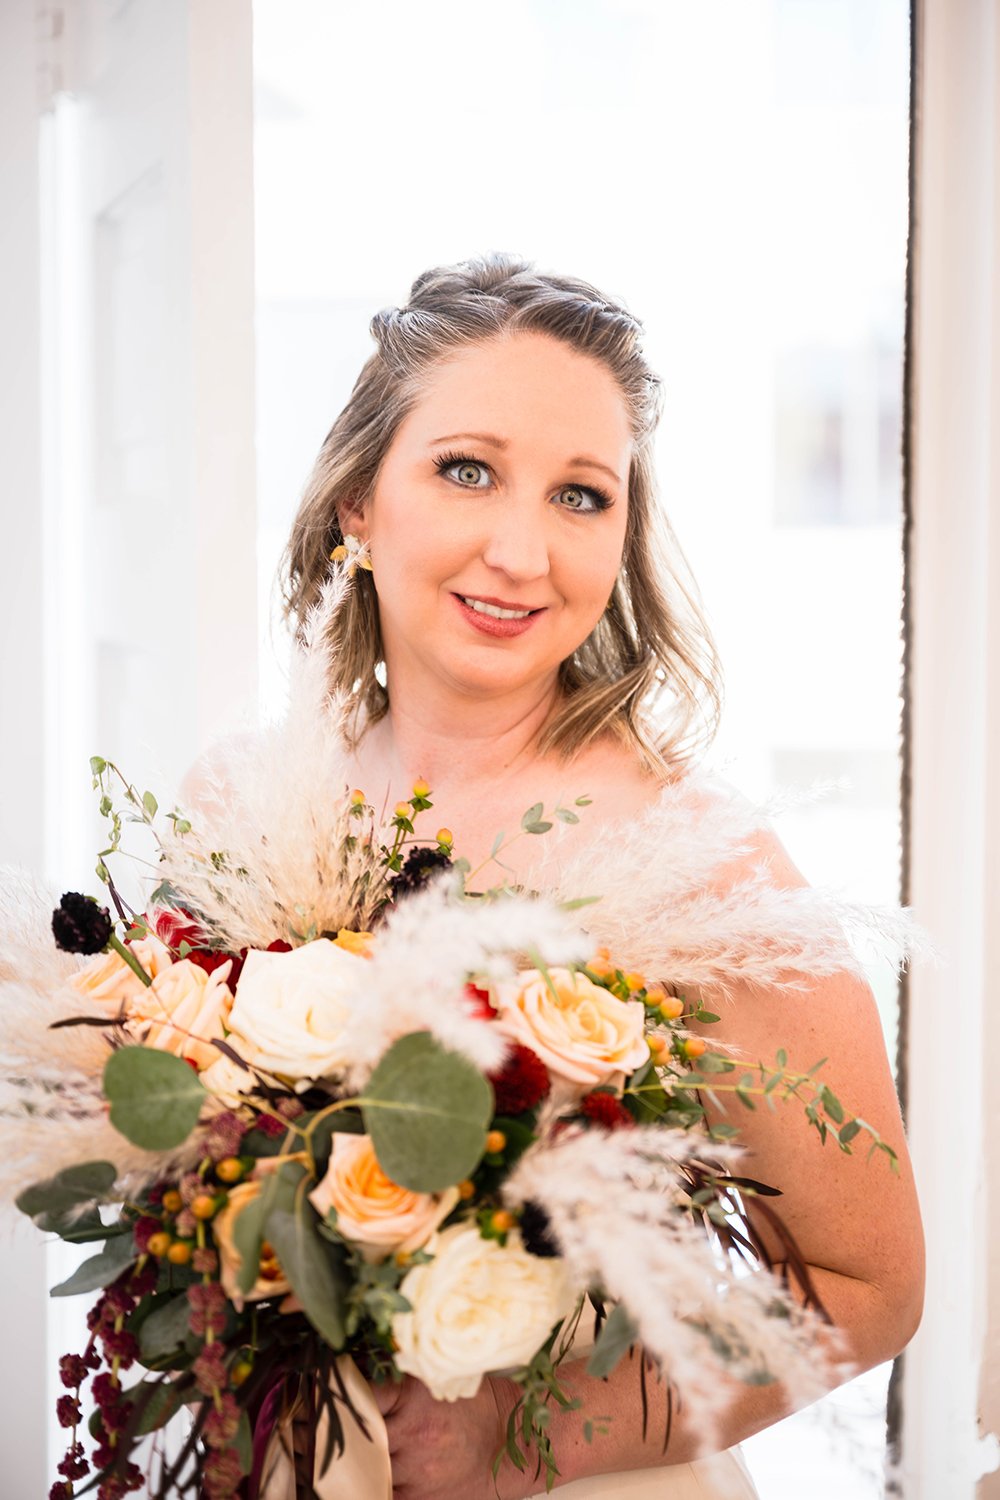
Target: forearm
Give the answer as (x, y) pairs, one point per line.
(872, 1328)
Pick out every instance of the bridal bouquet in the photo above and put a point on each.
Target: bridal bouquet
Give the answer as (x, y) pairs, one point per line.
(320, 1103)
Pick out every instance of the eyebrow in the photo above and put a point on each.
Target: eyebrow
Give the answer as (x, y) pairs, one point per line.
(502, 443)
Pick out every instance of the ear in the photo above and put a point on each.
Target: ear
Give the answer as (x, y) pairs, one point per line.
(353, 519)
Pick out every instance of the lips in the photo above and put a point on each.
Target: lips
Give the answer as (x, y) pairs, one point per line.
(496, 617)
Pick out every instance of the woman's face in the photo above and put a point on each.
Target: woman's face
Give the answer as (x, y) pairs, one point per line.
(494, 548)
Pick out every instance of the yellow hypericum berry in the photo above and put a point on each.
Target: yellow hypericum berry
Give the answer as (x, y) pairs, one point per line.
(203, 1206)
(466, 1189)
(357, 798)
(172, 1201)
(671, 1007)
(421, 788)
(693, 1046)
(179, 1253)
(502, 1221)
(635, 981)
(402, 810)
(229, 1169)
(601, 964)
(240, 1372)
(657, 1044)
(158, 1244)
(445, 836)
(495, 1141)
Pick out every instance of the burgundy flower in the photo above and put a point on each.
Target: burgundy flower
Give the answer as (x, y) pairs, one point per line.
(68, 1411)
(222, 1422)
(143, 1231)
(221, 1475)
(606, 1110)
(209, 1369)
(72, 1370)
(521, 1083)
(122, 1346)
(80, 925)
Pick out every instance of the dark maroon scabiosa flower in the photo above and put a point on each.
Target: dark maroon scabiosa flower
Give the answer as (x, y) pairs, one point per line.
(521, 1083)
(606, 1110)
(419, 866)
(80, 925)
(536, 1233)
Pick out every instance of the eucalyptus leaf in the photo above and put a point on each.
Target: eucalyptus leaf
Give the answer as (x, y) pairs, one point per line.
(616, 1337)
(243, 1443)
(248, 1236)
(532, 815)
(164, 1331)
(311, 1268)
(832, 1105)
(73, 1187)
(155, 1098)
(427, 1112)
(100, 1270)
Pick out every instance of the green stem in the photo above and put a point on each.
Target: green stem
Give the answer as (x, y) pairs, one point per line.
(115, 943)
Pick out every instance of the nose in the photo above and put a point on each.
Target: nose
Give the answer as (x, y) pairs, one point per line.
(517, 544)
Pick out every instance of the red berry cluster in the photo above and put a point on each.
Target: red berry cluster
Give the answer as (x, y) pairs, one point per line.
(605, 1109)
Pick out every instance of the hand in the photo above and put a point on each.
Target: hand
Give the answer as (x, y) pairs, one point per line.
(444, 1450)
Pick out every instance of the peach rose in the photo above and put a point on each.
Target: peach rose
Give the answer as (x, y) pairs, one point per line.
(271, 1281)
(182, 1010)
(355, 942)
(583, 1034)
(373, 1211)
(108, 977)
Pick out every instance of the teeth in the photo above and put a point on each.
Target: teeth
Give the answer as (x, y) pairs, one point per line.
(495, 610)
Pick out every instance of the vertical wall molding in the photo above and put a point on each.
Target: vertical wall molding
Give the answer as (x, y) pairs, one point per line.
(951, 1381)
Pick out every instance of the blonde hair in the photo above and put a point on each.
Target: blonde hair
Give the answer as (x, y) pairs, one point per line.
(652, 647)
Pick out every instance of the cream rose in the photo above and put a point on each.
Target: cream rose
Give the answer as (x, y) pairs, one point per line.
(373, 1211)
(108, 977)
(271, 1280)
(582, 1033)
(478, 1307)
(290, 1008)
(182, 1011)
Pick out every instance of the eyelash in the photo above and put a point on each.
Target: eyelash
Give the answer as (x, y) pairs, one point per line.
(602, 500)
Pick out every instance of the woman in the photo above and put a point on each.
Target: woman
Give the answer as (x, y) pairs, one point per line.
(492, 474)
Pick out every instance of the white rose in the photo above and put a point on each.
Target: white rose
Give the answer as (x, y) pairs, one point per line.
(478, 1307)
(290, 1008)
(582, 1033)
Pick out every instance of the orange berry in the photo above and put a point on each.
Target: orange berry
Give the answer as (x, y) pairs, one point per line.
(445, 836)
(357, 798)
(466, 1189)
(495, 1141)
(158, 1244)
(402, 810)
(671, 1007)
(656, 1043)
(229, 1169)
(203, 1206)
(601, 964)
(172, 1201)
(502, 1221)
(635, 981)
(421, 788)
(694, 1046)
(179, 1253)
(240, 1373)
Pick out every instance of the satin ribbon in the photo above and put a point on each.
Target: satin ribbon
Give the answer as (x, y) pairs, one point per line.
(361, 1472)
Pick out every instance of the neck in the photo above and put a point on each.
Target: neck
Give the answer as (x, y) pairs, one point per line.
(456, 741)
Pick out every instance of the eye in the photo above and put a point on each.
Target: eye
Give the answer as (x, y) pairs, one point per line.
(583, 498)
(470, 473)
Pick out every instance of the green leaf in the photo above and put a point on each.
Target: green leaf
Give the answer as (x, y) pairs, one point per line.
(149, 803)
(427, 1112)
(90, 1182)
(497, 845)
(565, 816)
(248, 1236)
(832, 1105)
(310, 1267)
(782, 1058)
(532, 815)
(616, 1337)
(166, 1329)
(98, 765)
(157, 1407)
(243, 1443)
(537, 827)
(575, 903)
(848, 1132)
(722, 1132)
(155, 1098)
(583, 802)
(706, 1015)
(711, 1062)
(100, 1269)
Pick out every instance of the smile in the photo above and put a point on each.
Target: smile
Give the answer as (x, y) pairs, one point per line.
(496, 610)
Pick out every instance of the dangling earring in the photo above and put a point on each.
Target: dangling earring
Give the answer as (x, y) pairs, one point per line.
(353, 553)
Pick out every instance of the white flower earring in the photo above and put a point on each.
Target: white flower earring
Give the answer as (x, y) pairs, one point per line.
(353, 553)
